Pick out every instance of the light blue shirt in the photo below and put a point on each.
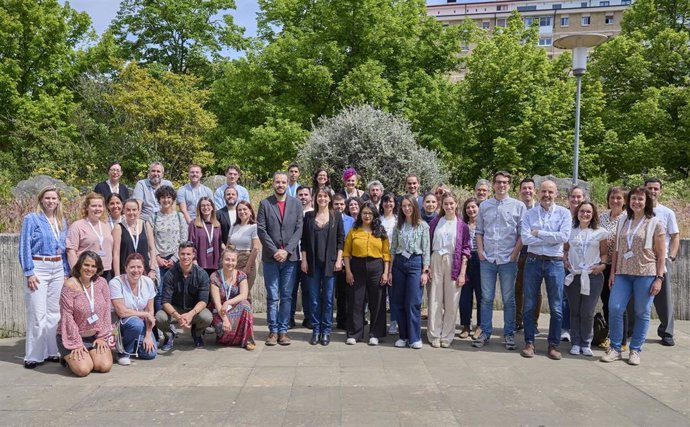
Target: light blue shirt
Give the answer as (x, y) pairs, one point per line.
(498, 223)
(38, 238)
(191, 197)
(292, 189)
(219, 199)
(554, 227)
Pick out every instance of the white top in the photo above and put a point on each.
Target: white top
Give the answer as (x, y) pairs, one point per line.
(242, 236)
(389, 225)
(668, 219)
(119, 288)
(584, 247)
(444, 236)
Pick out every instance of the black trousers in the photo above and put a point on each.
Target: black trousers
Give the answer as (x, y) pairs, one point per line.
(340, 299)
(367, 273)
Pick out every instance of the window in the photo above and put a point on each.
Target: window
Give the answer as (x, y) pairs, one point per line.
(583, 4)
(501, 22)
(502, 7)
(585, 21)
(545, 41)
(603, 3)
(526, 8)
(625, 2)
(608, 20)
(528, 22)
(544, 21)
(565, 21)
(486, 25)
(556, 6)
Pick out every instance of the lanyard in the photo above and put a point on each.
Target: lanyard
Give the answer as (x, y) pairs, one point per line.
(409, 236)
(584, 237)
(227, 288)
(99, 234)
(629, 237)
(209, 235)
(135, 240)
(92, 300)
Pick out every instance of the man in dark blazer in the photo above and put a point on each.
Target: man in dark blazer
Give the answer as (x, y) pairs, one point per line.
(279, 226)
(113, 184)
(227, 215)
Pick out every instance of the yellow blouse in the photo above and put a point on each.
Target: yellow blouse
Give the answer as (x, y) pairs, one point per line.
(362, 244)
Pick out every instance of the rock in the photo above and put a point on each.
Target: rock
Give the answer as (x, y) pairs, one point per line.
(214, 181)
(563, 184)
(29, 188)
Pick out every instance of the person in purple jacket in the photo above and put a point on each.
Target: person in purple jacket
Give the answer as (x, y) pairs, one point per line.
(450, 252)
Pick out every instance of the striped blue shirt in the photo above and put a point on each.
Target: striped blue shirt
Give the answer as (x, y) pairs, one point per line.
(37, 239)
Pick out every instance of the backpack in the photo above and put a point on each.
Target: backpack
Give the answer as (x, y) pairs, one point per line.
(601, 329)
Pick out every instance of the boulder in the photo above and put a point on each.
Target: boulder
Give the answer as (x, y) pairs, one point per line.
(29, 188)
(563, 184)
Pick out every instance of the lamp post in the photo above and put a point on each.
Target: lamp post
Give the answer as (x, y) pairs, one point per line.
(579, 44)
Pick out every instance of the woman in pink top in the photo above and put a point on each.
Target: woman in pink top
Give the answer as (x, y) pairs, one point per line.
(85, 330)
(91, 233)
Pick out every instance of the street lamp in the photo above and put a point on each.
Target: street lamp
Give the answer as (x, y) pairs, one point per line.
(580, 45)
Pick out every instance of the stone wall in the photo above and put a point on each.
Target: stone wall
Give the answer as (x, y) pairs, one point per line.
(12, 285)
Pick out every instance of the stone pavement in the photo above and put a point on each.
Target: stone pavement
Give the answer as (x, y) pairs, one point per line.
(355, 385)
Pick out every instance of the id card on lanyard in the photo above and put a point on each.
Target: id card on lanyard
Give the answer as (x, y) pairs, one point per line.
(92, 303)
(99, 235)
(209, 250)
(629, 238)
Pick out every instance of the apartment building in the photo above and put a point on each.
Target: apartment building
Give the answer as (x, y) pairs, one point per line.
(555, 18)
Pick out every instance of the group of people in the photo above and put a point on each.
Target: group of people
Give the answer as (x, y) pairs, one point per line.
(132, 271)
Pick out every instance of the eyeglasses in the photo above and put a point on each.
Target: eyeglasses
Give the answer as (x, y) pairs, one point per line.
(367, 214)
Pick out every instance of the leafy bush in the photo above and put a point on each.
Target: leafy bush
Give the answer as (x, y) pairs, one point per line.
(377, 144)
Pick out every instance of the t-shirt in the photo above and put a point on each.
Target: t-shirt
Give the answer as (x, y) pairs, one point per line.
(82, 237)
(444, 236)
(120, 288)
(668, 219)
(389, 224)
(191, 196)
(584, 247)
(243, 236)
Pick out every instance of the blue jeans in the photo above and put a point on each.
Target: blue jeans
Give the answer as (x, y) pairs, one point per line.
(506, 274)
(279, 278)
(624, 287)
(301, 281)
(553, 275)
(406, 297)
(473, 288)
(320, 290)
(133, 330)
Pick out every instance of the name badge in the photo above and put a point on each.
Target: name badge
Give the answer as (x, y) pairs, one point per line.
(442, 252)
(209, 250)
(101, 253)
(406, 254)
(628, 255)
(93, 319)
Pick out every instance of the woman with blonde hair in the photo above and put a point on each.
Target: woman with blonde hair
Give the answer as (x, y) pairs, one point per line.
(91, 233)
(43, 259)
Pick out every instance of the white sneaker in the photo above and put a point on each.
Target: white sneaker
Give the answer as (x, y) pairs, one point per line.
(436, 343)
(575, 350)
(393, 328)
(634, 358)
(416, 345)
(587, 351)
(373, 341)
(350, 341)
(124, 360)
(400, 343)
(565, 335)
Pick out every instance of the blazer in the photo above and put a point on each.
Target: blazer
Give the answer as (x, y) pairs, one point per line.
(275, 233)
(225, 225)
(104, 189)
(462, 244)
(334, 241)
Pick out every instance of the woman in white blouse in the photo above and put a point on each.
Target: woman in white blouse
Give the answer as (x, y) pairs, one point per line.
(245, 240)
(585, 255)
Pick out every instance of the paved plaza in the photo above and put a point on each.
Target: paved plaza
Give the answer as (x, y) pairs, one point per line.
(355, 385)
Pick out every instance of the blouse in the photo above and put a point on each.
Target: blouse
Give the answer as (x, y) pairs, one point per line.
(207, 253)
(643, 260)
(39, 238)
(413, 240)
(609, 224)
(82, 236)
(363, 244)
(169, 230)
(389, 225)
(584, 252)
(75, 312)
(120, 288)
(243, 236)
(444, 236)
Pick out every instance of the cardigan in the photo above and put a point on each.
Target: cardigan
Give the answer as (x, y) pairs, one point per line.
(334, 241)
(462, 244)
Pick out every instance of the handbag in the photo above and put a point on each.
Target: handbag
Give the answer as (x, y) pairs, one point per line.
(601, 329)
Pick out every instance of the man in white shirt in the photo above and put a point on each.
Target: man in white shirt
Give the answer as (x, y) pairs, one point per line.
(232, 175)
(527, 191)
(663, 301)
(189, 194)
(545, 228)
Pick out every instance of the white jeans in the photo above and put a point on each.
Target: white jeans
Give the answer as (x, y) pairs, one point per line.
(43, 311)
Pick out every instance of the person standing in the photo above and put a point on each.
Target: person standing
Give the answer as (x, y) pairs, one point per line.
(304, 195)
(293, 180)
(498, 248)
(527, 189)
(545, 228)
(245, 240)
(374, 193)
(482, 190)
(204, 233)
(133, 236)
(389, 212)
(227, 216)
(472, 289)
(91, 233)
(114, 204)
(279, 226)
(412, 186)
(43, 259)
(350, 184)
(169, 230)
(112, 185)
(340, 283)
(232, 175)
(576, 195)
(189, 194)
(145, 190)
(663, 302)
(305, 199)
(429, 209)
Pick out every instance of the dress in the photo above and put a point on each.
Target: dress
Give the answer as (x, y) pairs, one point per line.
(240, 315)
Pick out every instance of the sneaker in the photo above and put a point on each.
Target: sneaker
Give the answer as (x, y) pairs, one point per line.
(668, 341)
(553, 353)
(168, 342)
(373, 341)
(510, 342)
(393, 328)
(480, 341)
(198, 340)
(416, 345)
(401, 343)
(587, 351)
(611, 356)
(284, 339)
(465, 332)
(435, 343)
(565, 335)
(605, 344)
(528, 351)
(445, 344)
(124, 360)
(634, 358)
(575, 350)
(272, 339)
(350, 341)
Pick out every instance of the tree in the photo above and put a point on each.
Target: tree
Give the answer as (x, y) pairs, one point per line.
(377, 144)
(178, 34)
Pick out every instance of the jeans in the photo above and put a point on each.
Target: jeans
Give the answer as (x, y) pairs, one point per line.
(279, 278)
(320, 290)
(406, 297)
(553, 275)
(158, 299)
(624, 287)
(506, 274)
(133, 330)
(301, 281)
(473, 288)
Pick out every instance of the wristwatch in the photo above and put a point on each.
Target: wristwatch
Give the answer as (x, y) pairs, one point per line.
(660, 278)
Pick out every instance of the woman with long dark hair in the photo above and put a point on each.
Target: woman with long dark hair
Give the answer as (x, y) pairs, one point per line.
(473, 287)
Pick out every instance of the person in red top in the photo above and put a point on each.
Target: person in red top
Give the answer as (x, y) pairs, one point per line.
(84, 330)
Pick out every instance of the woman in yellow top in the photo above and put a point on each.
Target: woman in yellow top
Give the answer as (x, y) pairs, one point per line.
(367, 261)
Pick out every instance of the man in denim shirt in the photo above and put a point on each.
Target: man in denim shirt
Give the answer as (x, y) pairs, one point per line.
(498, 247)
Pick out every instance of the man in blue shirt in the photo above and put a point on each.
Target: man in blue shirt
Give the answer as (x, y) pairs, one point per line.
(189, 194)
(545, 228)
(293, 180)
(232, 175)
